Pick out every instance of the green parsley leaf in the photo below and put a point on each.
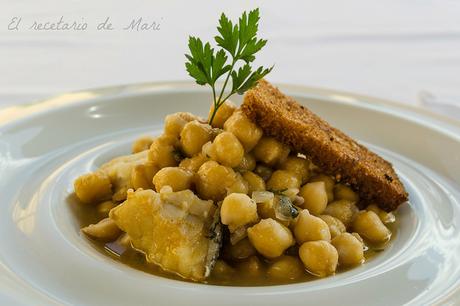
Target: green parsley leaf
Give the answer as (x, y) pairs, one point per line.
(218, 66)
(248, 26)
(239, 44)
(252, 47)
(253, 78)
(229, 35)
(239, 76)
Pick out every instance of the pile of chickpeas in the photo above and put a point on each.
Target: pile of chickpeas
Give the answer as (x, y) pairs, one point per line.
(282, 216)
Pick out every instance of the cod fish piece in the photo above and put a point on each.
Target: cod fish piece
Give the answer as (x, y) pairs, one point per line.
(175, 230)
(119, 171)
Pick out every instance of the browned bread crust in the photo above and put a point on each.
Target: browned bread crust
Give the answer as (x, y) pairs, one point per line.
(330, 149)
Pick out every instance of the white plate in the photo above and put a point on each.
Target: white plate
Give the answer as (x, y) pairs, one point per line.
(45, 261)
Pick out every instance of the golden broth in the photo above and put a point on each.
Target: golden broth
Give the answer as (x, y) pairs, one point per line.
(239, 276)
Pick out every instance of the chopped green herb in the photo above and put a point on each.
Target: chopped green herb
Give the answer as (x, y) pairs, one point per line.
(284, 209)
(178, 155)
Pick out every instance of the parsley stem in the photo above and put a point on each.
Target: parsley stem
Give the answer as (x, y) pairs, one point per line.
(219, 102)
(214, 95)
(226, 80)
(214, 112)
(228, 96)
(214, 102)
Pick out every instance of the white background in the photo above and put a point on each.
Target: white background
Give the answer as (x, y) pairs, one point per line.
(389, 49)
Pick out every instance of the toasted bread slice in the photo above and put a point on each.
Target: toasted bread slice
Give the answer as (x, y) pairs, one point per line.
(330, 149)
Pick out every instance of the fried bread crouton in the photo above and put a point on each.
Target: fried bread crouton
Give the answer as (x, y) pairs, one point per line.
(337, 154)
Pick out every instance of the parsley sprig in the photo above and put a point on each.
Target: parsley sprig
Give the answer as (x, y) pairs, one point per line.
(238, 42)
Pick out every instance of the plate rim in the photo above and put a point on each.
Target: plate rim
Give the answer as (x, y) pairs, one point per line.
(152, 88)
(13, 113)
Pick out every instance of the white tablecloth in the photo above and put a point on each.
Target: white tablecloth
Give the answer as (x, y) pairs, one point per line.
(399, 50)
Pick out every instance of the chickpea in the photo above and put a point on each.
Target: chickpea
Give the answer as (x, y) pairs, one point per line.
(240, 185)
(193, 136)
(298, 165)
(248, 163)
(228, 149)
(270, 238)
(209, 151)
(350, 249)
(343, 192)
(212, 181)
(251, 267)
(93, 187)
(193, 163)
(237, 210)
(174, 123)
(314, 196)
(310, 228)
(270, 151)
(255, 182)
(222, 270)
(142, 175)
(319, 257)
(262, 196)
(242, 249)
(247, 132)
(329, 183)
(141, 144)
(177, 178)
(386, 217)
(163, 152)
(336, 226)
(104, 208)
(263, 171)
(343, 210)
(104, 230)
(282, 179)
(223, 113)
(368, 225)
(286, 268)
